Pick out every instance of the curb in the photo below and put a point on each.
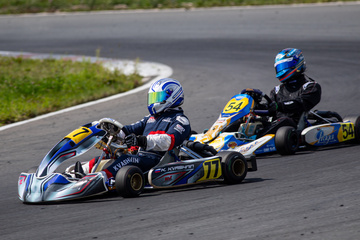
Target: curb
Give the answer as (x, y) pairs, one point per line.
(197, 9)
(150, 71)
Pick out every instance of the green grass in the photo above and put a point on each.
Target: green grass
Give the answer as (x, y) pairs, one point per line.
(31, 87)
(33, 6)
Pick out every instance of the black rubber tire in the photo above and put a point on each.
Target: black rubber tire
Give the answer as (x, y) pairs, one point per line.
(129, 181)
(286, 140)
(356, 121)
(233, 166)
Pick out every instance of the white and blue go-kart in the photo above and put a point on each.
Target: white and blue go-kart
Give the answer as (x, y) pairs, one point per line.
(243, 117)
(190, 163)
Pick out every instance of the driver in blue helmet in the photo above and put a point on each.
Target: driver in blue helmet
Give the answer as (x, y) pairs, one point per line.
(164, 129)
(296, 93)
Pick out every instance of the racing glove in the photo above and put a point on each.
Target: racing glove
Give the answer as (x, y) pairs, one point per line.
(273, 107)
(133, 140)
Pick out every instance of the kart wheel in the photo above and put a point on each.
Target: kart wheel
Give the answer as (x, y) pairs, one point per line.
(286, 140)
(356, 122)
(129, 181)
(233, 166)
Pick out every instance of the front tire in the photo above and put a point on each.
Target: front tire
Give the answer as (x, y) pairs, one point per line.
(286, 141)
(129, 181)
(233, 166)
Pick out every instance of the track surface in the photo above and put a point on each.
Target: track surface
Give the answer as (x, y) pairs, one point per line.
(215, 54)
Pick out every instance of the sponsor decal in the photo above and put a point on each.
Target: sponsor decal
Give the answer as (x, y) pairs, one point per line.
(183, 120)
(22, 179)
(268, 149)
(151, 120)
(247, 147)
(232, 145)
(179, 128)
(181, 167)
(167, 120)
(160, 170)
(324, 139)
(221, 120)
(125, 162)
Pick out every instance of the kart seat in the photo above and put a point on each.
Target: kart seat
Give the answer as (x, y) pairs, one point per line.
(324, 116)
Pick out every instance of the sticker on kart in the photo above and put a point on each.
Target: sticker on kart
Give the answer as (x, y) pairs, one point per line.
(329, 134)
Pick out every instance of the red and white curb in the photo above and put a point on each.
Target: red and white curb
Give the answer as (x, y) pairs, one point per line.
(150, 71)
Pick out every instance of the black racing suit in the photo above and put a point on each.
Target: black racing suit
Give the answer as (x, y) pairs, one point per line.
(292, 98)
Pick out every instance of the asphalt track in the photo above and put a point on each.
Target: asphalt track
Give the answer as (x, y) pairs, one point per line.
(214, 53)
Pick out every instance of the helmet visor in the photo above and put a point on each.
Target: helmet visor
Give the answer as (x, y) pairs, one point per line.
(155, 97)
(284, 65)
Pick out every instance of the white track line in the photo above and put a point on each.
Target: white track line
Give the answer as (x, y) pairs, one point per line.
(225, 8)
(148, 70)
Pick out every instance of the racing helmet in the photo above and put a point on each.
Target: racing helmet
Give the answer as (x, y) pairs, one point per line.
(164, 94)
(289, 63)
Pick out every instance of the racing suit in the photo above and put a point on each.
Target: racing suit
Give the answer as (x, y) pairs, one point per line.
(163, 132)
(292, 98)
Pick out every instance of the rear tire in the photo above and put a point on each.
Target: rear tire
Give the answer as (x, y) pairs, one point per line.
(233, 166)
(356, 121)
(286, 140)
(129, 181)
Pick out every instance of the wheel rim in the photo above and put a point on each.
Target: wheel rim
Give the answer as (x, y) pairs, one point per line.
(136, 181)
(293, 139)
(238, 167)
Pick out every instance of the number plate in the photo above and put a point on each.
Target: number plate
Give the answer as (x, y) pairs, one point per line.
(346, 132)
(79, 134)
(212, 169)
(234, 105)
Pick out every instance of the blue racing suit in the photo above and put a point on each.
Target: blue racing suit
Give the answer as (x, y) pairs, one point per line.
(163, 132)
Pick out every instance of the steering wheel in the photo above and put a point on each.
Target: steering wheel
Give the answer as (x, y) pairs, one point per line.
(268, 99)
(264, 112)
(111, 126)
(258, 95)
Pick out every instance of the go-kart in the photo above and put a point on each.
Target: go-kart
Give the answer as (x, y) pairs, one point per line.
(246, 114)
(190, 163)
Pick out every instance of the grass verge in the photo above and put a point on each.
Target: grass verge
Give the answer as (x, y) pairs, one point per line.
(31, 87)
(34, 6)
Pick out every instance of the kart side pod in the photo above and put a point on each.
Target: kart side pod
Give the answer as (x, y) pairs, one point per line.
(229, 166)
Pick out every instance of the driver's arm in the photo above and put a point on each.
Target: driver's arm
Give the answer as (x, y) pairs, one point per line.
(175, 135)
(309, 97)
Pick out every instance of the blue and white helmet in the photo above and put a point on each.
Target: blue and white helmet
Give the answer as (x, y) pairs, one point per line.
(288, 63)
(164, 94)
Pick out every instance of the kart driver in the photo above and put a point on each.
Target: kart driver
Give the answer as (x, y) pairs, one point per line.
(164, 129)
(296, 93)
